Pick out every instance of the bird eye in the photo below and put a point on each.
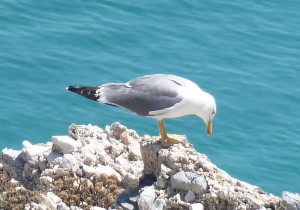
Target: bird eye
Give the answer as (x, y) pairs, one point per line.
(213, 113)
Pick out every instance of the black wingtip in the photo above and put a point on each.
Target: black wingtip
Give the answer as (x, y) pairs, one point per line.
(73, 88)
(85, 91)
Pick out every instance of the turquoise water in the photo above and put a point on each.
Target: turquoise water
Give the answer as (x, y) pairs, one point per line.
(244, 53)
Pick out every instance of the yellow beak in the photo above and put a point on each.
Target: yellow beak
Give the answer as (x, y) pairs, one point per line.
(209, 127)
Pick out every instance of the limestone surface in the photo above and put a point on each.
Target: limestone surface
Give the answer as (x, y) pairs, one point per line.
(137, 173)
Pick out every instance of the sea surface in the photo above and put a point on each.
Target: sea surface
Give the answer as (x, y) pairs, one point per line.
(245, 53)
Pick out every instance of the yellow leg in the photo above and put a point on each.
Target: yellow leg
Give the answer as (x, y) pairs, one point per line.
(165, 139)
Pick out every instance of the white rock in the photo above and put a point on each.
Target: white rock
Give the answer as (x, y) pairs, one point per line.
(11, 153)
(31, 152)
(26, 144)
(87, 133)
(62, 206)
(92, 148)
(159, 204)
(49, 201)
(90, 159)
(244, 184)
(69, 162)
(135, 151)
(163, 177)
(130, 181)
(20, 188)
(196, 206)
(99, 170)
(27, 206)
(292, 200)
(54, 197)
(108, 171)
(44, 180)
(177, 197)
(34, 206)
(129, 134)
(115, 149)
(161, 182)
(189, 196)
(65, 143)
(146, 198)
(75, 208)
(13, 181)
(174, 149)
(165, 170)
(122, 161)
(189, 181)
(89, 170)
(193, 158)
(104, 158)
(54, 158)
(97, 208)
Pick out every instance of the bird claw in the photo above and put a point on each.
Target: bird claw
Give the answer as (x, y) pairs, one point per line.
(166, 143)
(170, 140)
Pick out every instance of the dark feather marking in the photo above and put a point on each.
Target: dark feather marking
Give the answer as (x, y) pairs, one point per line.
(111, 104)
(176, 82)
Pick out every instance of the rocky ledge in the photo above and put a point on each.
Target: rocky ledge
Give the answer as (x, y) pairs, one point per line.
(115, 168)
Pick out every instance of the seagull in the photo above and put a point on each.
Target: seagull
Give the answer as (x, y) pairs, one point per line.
(158, 96)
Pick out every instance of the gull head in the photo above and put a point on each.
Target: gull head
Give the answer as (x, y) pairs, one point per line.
(207, 110)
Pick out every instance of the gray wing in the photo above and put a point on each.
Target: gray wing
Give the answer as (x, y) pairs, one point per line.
(142, 95)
